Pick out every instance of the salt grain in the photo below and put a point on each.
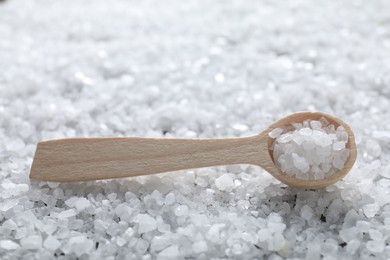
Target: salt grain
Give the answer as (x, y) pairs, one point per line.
(181, 210)
(81, 204)
(170, 199)
(146, 223)
(224, 182)
(370, 210)
(275, 132)
(171, 252)
(67, 213)
(376, 246)
(8, 245)
(31, 242)
(352, 246)
(199, 247)
(80, 245)
(160, 242)
(51, 243)
(306, 212)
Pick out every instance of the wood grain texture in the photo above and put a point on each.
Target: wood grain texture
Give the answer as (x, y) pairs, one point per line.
(82, 159)
(105, 158)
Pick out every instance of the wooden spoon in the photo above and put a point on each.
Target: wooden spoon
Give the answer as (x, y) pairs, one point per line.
(84, 159)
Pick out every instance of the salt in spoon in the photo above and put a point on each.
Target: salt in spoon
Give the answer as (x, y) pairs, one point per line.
(85, 159)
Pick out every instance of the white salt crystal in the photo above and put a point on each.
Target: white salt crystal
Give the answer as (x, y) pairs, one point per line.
(201, 182)
(10, 224)
(285, 138)
(160, 242)
(15, 145)
(146, 223)
(169, 199)
(349, 234)
(338, 163)
(298, 139)
(7, 244)
(264, 234)
(313, 251)
(306, 212)
(376, 246)
(171, 252)
(199, 247)
(330, 247)
(337, 146)
(67, 213)
(123, 211)
(324, 122)
(375, 234)
(297, 125)
(213, 234)
(352, 246)
(370, 210)
(275, 132)
(8, 204)
(141, 246)
(181, 210)
(315, 124)
(80, 245)
(305, 131)
(224, 182)
(120, 241)
(51, 243)
(129, 232)
(157, 196)
(276, 242)
(300, 163)
(31, 242)
(308, 145)
(70, 202)
(323, 140)
(81, 204)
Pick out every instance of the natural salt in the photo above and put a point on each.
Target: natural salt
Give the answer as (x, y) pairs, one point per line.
(311, 150)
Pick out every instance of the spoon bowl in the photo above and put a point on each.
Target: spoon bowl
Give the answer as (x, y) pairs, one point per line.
(298, 118)
(84, 159)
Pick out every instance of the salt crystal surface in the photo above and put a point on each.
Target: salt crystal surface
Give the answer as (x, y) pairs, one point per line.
(170, 199)
(306, 212)
(8, 245)
(51, 243)
(31, 242)
(199, 247)
(376, 246)
(181, 210)
(195, 69)
(67, 213)
(160, 242)
(370, 210)
(81, 204)
(171, 252)
(275, 132)
(146, 223)
(80, 245)
(352, 246)
(311, 152)
(224, 182)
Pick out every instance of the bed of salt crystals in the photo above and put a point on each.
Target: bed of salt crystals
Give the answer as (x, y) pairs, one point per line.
(192, 69)
(311, 150)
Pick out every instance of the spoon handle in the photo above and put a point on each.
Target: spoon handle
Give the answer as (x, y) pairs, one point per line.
(83, 159)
